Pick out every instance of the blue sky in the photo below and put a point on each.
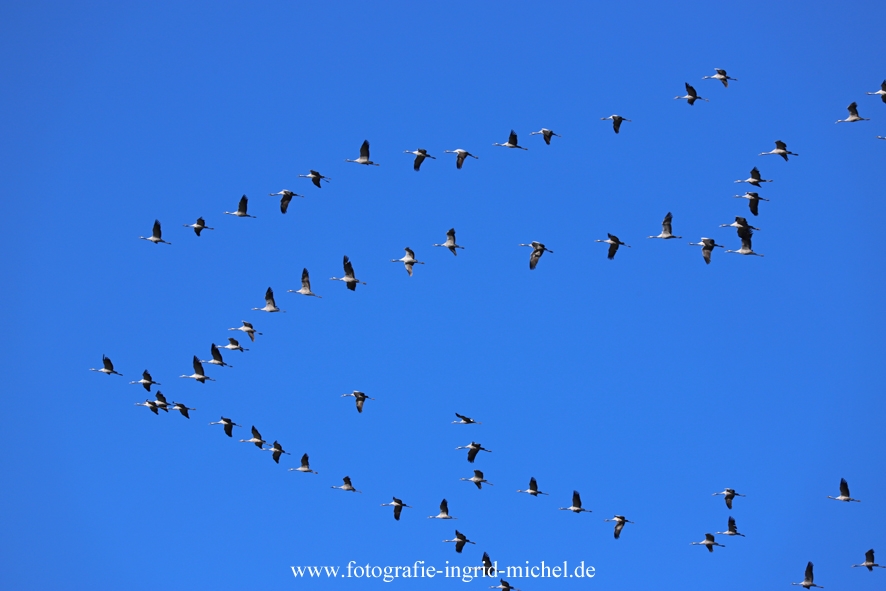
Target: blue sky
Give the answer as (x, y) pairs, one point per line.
(646, 383)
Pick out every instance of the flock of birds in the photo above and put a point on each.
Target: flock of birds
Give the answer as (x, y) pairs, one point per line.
(743, 228)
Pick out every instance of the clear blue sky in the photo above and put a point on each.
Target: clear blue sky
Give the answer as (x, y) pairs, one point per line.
(646, 383)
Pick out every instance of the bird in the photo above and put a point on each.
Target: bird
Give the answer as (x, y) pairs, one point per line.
(728, 493)
(881, 137)
(155, 236)
(746, 244)
(285, 197)
(576, 504)
(199, 226)
(753, 200)
(504, 586)
(360, 399)
(161, 402)
(478, 479)
(364, 155)
(408, 260)
(304, 467)
(721, 76)
(546, 134)
(613, 243)
(707, 247)
(730, 529)
(755, 179)
(512, 142)
(538, 249)
(450, 242)
(460, 541)
(149, 404)
(465, 420)
(741, 224)
(420, 156)
(533, 488)
(869, 555)
(347, 485)
(844, 493)
(691, 95)
(488, 567)
(620, 522)
(198, 372)
(808, 578)
(146, 381)
(277, 450)
(616, 121)
(305, 285)
(398, 505)
(228, 425)
(216, 357)
(270, 304)
(107, 367)
(666, 233)
(256, 439)
(182, 408)
(234, 345)
(444, 512)
(247, 328)
(709, 542)
(461, 155)
(473, 449)
(853, 114)
(881, 92)
(781, 149)
(349, 278)
(315, 177)
(241, 208)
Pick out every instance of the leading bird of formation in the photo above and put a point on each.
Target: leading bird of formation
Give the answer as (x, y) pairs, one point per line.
(744, 230)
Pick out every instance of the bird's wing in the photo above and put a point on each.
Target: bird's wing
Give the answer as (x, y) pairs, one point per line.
(451, 234)
(216, 354)
(349, 268)
(472, 453)
(360, 401)
(198, 367)
(533, 485)
(613, 248)
(269, 298)
(305, 279)
(444, 507)
(853, 112)
(576, 499)
(284, 203)
(618, 527)
(844, 487)
(255, 433)
(809, 575)
(755, 174)
(690, 91)
(106, 363)
(666, 224)
(512, 138)
(533, 258)
(304, 461)
(409, 252)
(460, 160)
(709, 537)
(731, 524)
(397, 510)
(869, 556)
(780, 145)
(156, 231)
(418, 160)
(616, 124)
(364, 150)
(347, 480)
